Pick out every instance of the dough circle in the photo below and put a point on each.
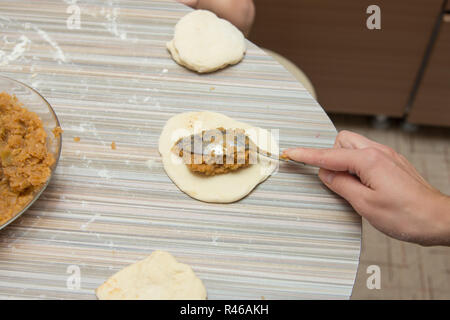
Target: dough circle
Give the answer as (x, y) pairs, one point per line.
(158, 277)
(205, 43)
(222, 188)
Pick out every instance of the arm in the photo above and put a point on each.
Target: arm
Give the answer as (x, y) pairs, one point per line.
(383, 187)
(241, 13)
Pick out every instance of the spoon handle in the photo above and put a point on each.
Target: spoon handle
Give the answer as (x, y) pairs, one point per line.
(277, 158)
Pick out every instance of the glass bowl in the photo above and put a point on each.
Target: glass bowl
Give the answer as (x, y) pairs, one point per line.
(33, 101)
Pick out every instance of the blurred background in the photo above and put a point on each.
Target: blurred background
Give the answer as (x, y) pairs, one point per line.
(391, 85)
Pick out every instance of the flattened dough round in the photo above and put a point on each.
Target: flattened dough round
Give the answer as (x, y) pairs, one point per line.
(158, 277)
(222, 188)
(204, 43)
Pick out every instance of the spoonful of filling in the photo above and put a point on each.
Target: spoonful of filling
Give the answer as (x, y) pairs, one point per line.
(218, 151)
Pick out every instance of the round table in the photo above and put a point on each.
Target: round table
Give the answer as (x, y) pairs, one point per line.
(111, 79)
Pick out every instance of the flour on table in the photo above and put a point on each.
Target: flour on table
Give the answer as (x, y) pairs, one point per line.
(150, 163)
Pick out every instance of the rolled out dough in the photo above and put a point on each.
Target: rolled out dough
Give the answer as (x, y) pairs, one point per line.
(158, 277)
(223, 188)
(204, 43)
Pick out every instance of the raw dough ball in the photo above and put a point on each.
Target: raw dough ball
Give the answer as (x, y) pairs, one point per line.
(205, 43)
(223, 188)
(158, 277)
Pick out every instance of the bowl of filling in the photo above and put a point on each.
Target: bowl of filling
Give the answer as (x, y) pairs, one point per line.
(30, 147)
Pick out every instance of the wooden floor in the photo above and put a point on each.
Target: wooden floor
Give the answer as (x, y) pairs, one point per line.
(408, 271)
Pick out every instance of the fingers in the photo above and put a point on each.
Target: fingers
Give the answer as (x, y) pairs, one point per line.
(351, 140)
(347, 186)
(353, 161)
(241, 13)
(190, 3)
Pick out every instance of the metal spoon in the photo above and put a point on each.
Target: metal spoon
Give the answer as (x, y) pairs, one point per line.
(221, 142)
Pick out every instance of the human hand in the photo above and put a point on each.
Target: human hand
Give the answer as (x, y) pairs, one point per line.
(383, 187)
(241, 13)
(190, 3)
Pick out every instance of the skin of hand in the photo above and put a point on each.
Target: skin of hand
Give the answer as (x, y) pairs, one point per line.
(383, 187)
(241, 13)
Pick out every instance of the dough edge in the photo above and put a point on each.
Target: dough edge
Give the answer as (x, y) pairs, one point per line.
(172, 48)
(251, 176)
(111, 288)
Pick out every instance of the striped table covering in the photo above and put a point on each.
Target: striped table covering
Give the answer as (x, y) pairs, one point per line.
(112, 80)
